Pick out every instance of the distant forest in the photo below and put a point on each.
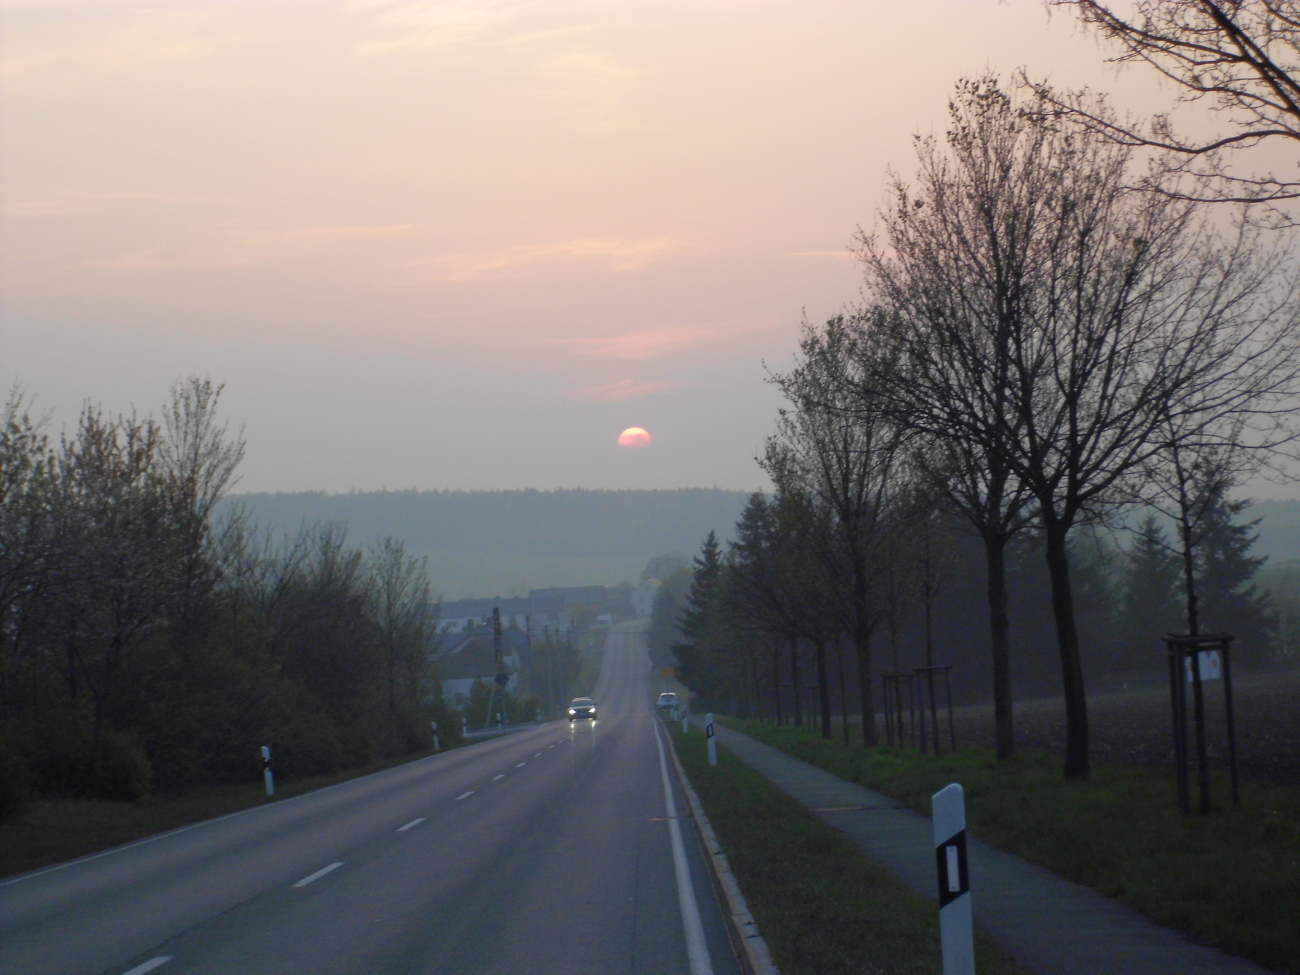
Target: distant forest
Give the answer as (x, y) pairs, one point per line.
(486, 543)
(489, 543)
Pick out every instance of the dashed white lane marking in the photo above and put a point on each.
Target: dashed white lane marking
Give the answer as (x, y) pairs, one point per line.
(520, 764)
(498, 777)
(411, 825)
(464, 795)
(311, 878)
(537, 755)
(149, 966)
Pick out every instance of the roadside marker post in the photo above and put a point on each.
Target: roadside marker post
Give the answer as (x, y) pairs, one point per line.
(956, 923)
(267, 775)
(437, 746)
(708, 736)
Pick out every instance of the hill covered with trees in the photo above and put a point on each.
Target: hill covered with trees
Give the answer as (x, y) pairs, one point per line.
(484, 543)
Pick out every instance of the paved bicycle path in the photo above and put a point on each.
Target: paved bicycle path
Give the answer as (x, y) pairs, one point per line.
(1050, 925)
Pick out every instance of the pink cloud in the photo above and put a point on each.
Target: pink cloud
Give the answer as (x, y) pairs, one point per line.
(618, 255)
(621, 391)
(640, 345)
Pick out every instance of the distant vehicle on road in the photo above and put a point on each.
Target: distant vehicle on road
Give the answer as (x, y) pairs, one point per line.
(582, 707)
(667, 703)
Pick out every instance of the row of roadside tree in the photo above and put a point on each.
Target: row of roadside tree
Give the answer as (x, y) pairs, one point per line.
(146, 642)
(1041, 347)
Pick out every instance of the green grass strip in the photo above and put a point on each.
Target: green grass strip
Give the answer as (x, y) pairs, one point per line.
(821, 905)
(51, 831)
(1230, 878)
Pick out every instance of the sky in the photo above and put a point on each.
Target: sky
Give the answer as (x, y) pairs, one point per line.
(463, 245)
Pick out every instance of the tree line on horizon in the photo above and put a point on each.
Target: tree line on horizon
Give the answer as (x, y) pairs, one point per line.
(1044, 341)
(147, 644)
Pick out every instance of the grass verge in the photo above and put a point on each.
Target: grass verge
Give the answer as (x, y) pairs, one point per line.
(1230, 878)
(51, 831)
(820, 904)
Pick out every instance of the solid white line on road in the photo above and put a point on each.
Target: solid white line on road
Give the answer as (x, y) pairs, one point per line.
(498, 777)
(149, 966)
(697, 949)
(411, 825)
(521, 764)
(313, 877)
(464, 795)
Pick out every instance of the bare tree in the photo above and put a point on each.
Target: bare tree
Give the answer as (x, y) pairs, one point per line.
(197, 460)
(1242, 57)
(952, 273)
(403, 613)
(845, 456)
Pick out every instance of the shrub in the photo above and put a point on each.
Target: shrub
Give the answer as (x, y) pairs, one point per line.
(13, 781)
(120, 770)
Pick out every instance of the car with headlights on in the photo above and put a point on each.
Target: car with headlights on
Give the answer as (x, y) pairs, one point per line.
(667, 703)
(582, 708)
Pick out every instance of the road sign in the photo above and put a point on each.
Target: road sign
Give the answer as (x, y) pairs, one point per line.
(1210, 662)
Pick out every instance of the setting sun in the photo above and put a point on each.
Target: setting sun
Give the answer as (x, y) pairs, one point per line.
(635, 437)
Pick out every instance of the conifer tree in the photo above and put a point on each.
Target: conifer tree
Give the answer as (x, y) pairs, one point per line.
(703, 603)
(1149, 604)
(1225, 570)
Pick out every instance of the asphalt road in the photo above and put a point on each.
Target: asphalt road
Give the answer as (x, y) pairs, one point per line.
(546, 850)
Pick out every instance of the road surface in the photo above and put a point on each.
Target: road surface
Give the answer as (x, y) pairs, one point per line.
(546, 850)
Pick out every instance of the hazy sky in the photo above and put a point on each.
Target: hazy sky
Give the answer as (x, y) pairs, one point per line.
(463, 245)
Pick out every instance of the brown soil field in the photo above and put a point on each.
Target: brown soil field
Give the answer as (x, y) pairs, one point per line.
(1135, 727)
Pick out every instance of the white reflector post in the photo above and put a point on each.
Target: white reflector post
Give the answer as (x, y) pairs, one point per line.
(956, 929)
(267, 777)
(708, 737)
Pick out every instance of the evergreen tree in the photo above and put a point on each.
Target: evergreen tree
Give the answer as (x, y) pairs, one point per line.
(1225, 570)
(698, 619)
(1149, 595)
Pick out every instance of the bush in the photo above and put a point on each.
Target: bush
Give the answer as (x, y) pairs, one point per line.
(523, 709)
(122, 769)
(13, 782)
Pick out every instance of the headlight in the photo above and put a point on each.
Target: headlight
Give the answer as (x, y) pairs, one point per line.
(571, 711)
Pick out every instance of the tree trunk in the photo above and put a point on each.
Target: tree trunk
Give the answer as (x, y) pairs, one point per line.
(1189, 571)
(844, 691)
(823, 689)
(1067, 638)
(776, 683)
(862, 644)
(794, 684)
(999, 637)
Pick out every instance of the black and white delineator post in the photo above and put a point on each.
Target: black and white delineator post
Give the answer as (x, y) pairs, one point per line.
(956, 935)
(437, 746)
(708, 737)
(267, 776)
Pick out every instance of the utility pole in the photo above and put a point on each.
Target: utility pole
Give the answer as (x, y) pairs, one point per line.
(498, 673)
